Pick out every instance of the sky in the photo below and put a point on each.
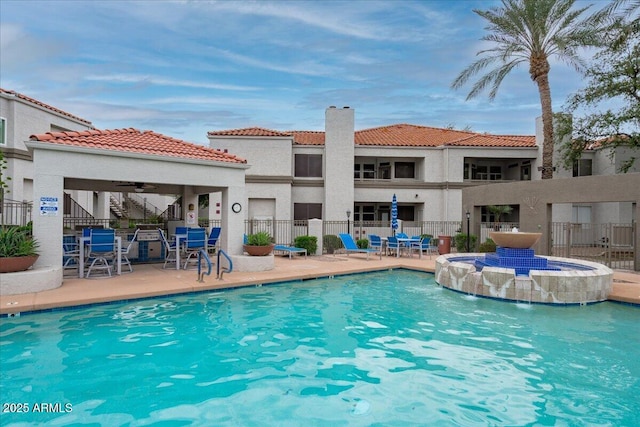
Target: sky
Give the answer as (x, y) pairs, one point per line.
(183, 68)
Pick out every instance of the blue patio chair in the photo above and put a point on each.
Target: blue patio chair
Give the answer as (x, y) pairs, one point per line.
(124, 251)
(102, 250)
(417, 244)
(393, 245)
(375, 242)
(170, 249)
(70, 253)
(214, 236)
(431, 246)
(402, 235)
(196, 240)
(351, 246)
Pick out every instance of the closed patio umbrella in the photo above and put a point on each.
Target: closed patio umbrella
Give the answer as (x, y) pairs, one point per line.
(394, 214)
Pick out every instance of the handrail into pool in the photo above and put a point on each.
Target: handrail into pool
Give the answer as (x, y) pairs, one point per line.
(203, 254)
(228, 270)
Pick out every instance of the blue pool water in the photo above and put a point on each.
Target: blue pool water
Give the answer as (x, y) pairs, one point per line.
(387, 349)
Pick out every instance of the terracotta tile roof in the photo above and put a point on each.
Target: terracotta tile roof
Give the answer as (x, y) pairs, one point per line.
(308, 137)
(405, 135)
(42, 104)
(254, 131)
(399, 135)
(136, 141)
(487, 140)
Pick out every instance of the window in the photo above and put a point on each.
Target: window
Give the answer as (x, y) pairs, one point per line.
(3, 131)
(465, 173)
(364, 213)
(582, 167)
(384, 170)
(405, 170)
(364, 171)
(487, 173)
(406, 213)
(525, 173)
(308, 165)
(581, 214)
(303, 211)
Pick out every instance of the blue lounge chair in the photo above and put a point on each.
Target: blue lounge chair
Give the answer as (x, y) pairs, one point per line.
(290, 250)
(350, 246)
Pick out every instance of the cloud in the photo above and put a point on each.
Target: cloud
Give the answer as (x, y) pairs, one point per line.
(160, 81)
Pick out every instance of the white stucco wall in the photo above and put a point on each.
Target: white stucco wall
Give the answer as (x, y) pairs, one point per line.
(267, 156)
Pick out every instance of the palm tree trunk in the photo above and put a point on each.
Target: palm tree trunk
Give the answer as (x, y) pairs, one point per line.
(547, 125)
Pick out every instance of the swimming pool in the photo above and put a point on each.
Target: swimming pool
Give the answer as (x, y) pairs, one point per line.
(388, 348)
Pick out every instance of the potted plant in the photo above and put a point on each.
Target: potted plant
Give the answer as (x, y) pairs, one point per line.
(259, 244)
(18, 250)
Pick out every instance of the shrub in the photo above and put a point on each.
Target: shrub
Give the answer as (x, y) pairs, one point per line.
(310, 243)
(460, 242)
(17, 242)
(488, 246)
(362, 243)
(331, 242)
(261, 238)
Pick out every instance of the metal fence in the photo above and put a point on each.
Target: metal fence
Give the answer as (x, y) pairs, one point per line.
(283, 232)
(362, 229)
(15, 213)
(610, 244)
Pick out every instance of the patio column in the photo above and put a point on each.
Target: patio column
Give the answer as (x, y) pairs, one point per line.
(48, 212)
(234, 211)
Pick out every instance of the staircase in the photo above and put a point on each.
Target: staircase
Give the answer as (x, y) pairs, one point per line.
(147, 208)
(116, 208)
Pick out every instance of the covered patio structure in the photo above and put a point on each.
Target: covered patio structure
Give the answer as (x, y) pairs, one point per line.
(103, 160)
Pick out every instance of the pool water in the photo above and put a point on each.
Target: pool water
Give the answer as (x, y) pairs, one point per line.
(387, 349)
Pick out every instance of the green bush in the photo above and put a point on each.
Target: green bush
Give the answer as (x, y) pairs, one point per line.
(261, 238)
(331, 242)
(460, 242)
(16, 242)
(310, 243)
(362, 243)
(488, 246)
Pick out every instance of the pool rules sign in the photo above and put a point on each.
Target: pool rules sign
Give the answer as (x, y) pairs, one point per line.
(48, 206)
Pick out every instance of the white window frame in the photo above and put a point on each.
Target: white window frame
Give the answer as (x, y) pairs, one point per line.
(3, 131)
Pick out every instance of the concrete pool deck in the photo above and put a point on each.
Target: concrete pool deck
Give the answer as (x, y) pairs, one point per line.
(149, 280)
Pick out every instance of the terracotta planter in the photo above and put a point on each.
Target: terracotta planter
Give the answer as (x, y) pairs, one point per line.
(18, 263)
(258, 250)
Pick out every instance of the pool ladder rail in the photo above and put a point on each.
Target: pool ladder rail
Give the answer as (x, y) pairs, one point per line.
(202, 254)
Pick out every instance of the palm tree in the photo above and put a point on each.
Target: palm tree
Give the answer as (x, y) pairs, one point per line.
(498, 211)
(530, 31)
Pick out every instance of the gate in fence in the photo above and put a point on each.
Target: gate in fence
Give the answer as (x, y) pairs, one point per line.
(610, 244)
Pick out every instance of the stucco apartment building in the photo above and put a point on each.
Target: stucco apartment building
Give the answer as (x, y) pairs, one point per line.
(302, 174)
(315, 174)
(21, 117)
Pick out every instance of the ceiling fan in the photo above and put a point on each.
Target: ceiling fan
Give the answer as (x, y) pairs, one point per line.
(138, 187)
